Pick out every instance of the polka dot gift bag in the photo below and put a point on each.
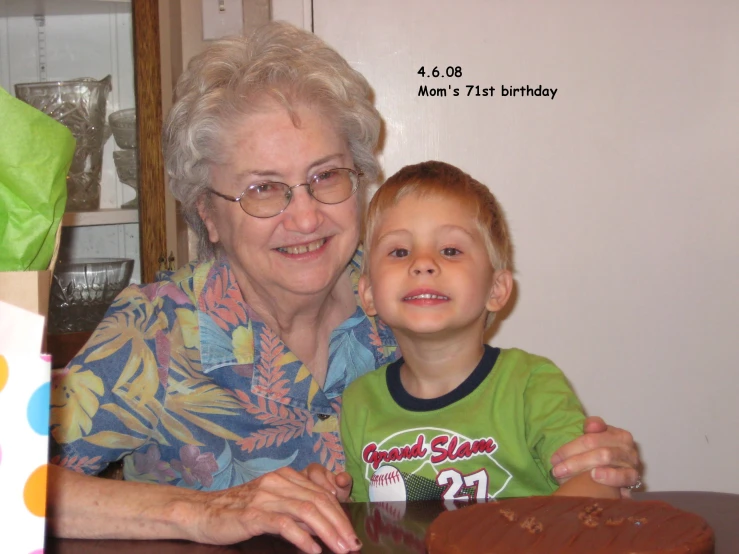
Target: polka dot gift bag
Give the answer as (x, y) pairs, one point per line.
(24, 431)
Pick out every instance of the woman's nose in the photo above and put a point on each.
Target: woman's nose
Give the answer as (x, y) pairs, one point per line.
(303, 213)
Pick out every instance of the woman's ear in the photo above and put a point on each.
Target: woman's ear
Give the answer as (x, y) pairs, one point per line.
(365, 295)
(501, 290)
(205, 215)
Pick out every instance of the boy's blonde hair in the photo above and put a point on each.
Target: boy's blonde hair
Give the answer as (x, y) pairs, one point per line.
(434, 178)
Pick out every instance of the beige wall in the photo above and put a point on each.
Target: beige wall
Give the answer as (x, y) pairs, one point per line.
(297, 12)
(622, 192)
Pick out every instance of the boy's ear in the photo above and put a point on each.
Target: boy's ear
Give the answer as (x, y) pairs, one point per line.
(365, 296)
(501, 291)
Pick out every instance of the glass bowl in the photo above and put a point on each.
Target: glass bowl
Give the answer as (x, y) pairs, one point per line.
(123, 125)
(83, 289)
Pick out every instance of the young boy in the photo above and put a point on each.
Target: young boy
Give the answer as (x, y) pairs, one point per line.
(454, 418)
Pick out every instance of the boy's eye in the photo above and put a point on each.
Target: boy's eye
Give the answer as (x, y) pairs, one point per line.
(450, 251)
(399, 253)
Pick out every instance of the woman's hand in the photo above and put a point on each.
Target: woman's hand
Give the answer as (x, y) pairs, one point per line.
(284, 502)
(609, 453)
(338, 484)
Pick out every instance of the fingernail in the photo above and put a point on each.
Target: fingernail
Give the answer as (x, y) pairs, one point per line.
(559, 471)
(316, 549)
(596, 474)
(342, 546)
(356, 545)
(556, 459)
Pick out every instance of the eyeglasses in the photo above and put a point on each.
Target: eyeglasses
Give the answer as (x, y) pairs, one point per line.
(270, 198)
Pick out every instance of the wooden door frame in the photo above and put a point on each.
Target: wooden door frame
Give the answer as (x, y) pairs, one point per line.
(148, 85)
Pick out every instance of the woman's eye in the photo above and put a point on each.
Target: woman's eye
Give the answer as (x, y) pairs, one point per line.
(399, 253)
(324, 175)
(451, 251)
(265, 188)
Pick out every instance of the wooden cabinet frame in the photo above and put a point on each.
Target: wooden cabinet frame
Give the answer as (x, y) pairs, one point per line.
(148, 83)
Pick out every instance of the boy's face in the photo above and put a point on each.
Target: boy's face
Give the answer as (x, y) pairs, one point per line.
(429, 270)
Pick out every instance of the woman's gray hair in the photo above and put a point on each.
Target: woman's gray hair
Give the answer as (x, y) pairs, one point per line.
(227, 81)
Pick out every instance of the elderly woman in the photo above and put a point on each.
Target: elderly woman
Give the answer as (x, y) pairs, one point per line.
(225, 379)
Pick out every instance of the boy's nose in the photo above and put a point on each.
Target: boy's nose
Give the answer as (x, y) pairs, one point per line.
(424, 265)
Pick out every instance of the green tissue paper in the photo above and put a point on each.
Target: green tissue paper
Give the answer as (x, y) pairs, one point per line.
(35, 154)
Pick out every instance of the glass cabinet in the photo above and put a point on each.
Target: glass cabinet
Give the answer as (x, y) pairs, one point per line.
(46, 43)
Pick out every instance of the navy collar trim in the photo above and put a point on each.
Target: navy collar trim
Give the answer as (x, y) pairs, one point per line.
(467, 387)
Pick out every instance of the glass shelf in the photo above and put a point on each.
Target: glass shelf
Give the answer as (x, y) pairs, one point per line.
(100, 217)
(24, 8)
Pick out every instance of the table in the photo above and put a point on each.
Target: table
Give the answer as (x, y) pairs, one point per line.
(720, 510)
(398, 528)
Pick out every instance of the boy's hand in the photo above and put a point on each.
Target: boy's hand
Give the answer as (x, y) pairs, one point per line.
(338, 484)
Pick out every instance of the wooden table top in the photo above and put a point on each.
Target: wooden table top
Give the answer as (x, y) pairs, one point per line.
(384, 532)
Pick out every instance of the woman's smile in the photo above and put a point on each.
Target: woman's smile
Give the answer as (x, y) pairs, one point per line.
(304, 248)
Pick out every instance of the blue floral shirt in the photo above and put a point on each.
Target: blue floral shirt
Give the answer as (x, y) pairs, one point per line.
(183, 382)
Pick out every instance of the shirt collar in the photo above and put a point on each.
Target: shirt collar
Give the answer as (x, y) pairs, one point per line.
(232, 334)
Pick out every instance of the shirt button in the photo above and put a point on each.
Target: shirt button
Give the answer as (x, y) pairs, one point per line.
(324, 417)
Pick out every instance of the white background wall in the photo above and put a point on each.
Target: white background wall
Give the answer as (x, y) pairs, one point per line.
(622, 192)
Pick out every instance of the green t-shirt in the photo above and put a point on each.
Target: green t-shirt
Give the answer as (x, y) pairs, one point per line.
(491, 437)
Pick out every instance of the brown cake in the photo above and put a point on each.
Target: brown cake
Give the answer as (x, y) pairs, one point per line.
(552, 524)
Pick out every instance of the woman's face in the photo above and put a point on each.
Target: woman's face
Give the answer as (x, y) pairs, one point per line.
(304, 249)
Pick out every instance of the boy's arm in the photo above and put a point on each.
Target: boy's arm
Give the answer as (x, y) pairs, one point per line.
(583, 485)
(555, 415)
(359, 492)
(338, 484)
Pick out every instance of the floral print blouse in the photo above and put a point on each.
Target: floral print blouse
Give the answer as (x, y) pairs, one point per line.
(183, 382)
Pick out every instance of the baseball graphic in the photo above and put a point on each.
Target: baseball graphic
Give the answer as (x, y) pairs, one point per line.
(391, 511)
(433, 462)
(386, 485)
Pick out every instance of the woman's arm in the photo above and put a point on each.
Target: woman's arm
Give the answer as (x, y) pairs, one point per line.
(283, 502)
(607, 452)
(84, 506)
